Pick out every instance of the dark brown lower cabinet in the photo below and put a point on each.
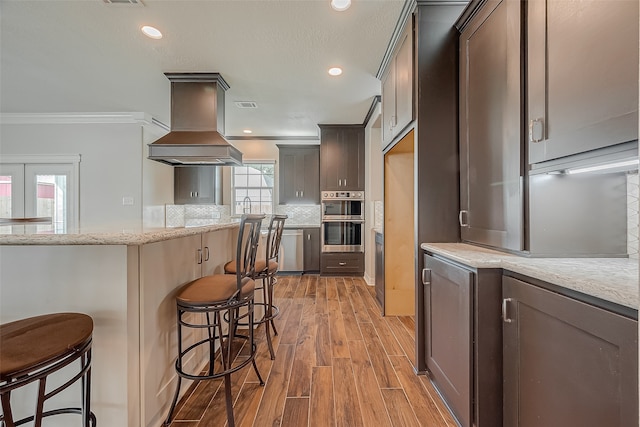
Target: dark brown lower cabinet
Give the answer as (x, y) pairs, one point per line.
(463, 339)
(342, 263)
(566, 363)
(311, 253)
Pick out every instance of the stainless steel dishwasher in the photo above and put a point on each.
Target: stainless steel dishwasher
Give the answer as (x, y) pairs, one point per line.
(291, 251)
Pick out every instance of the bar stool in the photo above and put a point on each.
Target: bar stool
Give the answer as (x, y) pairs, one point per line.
(31, 349)
(216, 296)
(266, 270)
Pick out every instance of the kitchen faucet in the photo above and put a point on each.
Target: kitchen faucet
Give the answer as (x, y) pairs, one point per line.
(245, 202)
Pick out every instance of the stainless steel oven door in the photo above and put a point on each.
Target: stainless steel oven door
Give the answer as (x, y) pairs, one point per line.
(342, 210)
(342, 236)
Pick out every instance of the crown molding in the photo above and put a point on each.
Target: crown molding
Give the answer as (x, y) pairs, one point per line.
(78, 118)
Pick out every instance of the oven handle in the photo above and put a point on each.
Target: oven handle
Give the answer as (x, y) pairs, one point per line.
(357, 221)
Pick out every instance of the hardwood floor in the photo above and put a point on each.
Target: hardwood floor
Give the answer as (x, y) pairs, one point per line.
(338, 363)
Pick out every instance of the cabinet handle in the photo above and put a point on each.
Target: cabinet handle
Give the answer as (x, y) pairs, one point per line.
(196, 194)
(345, 182)
(308, 236)
(199, 256)
(206, 253)
(426, 276)
(191, 194)
(505, 318)
(342, 264)
(463, 214)
(536, 130)
(296, 194)
(301, 193)
(339, 183)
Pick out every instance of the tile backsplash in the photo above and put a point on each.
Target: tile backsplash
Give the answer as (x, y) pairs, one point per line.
(300, 214)
(633, 193)
(197, 215)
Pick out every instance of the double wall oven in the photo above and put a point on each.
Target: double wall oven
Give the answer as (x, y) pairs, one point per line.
(342, 221)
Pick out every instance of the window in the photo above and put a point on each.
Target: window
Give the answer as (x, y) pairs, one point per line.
(252, 187)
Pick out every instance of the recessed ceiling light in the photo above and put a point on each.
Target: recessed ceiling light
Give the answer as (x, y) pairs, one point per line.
(151, 32)
(335, 71)
(340, 5)
(247, 131)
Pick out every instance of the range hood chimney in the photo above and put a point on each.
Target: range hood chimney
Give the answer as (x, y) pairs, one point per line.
(197, 123)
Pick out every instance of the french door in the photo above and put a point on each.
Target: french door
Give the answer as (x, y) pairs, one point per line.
(40, 190)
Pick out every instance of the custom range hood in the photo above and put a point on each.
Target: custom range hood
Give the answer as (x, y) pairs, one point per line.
(197, 123)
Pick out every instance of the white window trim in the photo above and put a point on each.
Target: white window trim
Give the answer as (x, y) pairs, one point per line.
(233, 184)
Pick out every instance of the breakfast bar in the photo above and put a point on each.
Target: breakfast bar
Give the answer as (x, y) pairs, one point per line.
(126, 281)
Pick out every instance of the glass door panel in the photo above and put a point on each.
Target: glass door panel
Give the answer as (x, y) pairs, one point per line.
(48, 194)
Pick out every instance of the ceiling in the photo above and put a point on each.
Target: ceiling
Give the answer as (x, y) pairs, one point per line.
(89, 56)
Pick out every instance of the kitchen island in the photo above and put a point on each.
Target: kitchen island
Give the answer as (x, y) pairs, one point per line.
(126, 281)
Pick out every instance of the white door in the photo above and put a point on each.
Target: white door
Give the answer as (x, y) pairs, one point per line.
(11, 190)
(34, 190)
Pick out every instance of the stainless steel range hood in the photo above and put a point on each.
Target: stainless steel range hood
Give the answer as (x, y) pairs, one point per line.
(197, 123)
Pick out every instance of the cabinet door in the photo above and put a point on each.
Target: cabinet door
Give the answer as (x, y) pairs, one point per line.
(330, 159)
(582, 75)
(311, 238)
(310, 176)
(288, 176)
(352, 177)
(389, 104)
(448, 341)
(566, 363)
(490, 132)
(404, 81)
(194, 184)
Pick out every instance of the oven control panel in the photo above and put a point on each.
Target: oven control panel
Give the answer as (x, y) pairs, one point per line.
(342, 195)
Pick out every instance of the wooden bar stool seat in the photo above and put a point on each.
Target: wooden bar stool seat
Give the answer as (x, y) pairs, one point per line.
(32, 349)
(265, 271)
(204, 303)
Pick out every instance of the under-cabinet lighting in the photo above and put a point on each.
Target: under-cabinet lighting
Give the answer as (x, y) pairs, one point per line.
(625, 165)
(151, 32)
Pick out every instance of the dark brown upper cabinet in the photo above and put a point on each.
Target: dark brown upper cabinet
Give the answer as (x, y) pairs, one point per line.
(195, 185)
(582, 74)
(397, 88)
(491, 194)
(299, 174)
(342, 157)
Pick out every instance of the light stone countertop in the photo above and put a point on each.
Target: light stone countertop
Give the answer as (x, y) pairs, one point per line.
(610, 279)
(109, 237)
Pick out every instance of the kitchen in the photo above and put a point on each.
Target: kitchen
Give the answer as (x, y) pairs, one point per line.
(130, 126)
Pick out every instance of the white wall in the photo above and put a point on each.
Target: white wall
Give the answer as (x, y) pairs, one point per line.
(373, 188)
(112, 156)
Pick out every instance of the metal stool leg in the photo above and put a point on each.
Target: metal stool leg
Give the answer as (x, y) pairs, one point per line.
(272, 281)
(267, 314)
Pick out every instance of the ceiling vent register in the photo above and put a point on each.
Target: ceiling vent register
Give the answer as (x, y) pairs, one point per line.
(125, 2)
(246, 104)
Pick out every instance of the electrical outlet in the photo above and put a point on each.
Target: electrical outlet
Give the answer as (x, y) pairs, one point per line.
(127, 201)
(215, 215)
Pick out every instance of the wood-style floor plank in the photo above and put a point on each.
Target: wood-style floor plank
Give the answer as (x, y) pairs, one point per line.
(382, 366)
(296, 412)
(275, 391)
(348, 413)
(423, 405)
(338, 363)
(399, 408)
(375, 413)
(321, 404)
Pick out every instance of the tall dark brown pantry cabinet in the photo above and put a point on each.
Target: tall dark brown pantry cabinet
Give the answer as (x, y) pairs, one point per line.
(491, 198)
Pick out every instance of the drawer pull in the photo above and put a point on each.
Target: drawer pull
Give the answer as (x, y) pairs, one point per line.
(342, 264)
